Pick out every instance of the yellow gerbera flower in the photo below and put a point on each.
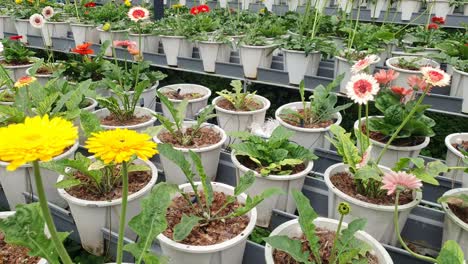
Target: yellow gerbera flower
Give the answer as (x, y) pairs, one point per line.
(128, 3)
(18, 2)
(106, 27)
(119, 145)
(24, 81)
(38, 138)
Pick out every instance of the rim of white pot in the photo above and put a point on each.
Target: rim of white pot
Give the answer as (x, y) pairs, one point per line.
(360, 235)
(57, 22)
(87, 203)
(145, 90)
(99, 28)
(76, 24)
(387, 208)
(393, 147)
(22, 19)
(19, 66)
(195, 149)
(428, 62)
(448, 211)
(450, 139)
(354, 61)
(265, 101)
(460, 72)
(258, 47)
(182, 86)
(38, 75)
(61, 156)
(294, 176)
(299, 51)
(176, 37)
(143, 35)
(210, 42)
(337, 115)
(216, 247)
(147, 123)
(93, 105)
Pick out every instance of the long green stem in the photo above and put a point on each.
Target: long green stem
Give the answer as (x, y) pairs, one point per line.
(408, 118)
(335, 240)
(367, 124)
(359, 135)
(397, 230)
(123, 212)
(350, 44)
(48, 217)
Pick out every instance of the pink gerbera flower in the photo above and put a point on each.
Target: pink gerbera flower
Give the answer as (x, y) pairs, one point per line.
(365, 158)
(386, 77)
(435, 77)
(138, 13)
(361, 65)
(48, 12)
(393, 180)
(124, 43)
(36, 21)
(417, 82)
(362, 88)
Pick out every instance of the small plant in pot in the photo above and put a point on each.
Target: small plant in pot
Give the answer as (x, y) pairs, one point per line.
(174, 33)
(201, 211)
(237, 110)
(407, 66)
(312, 239)
(213, 48)
(203, 138)
(311, 120)
(457, 154)
(255, 51)
(16, 57)
(276, 162)
(82, 24)
(421, 40)
(196, 95)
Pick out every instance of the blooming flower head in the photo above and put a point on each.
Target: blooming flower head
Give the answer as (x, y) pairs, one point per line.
(119, 145)
(18, 2)
(384, 77)
(1, 47)
(433, 26)
(128, 3)
(133, 50)
(106, 27)
(90, 4)
(194, 10)
(401, 91)
(83, 49)
(203, 8)
(138, 13)
(36, 21)
(435, 77)
(48, 12)
(24, 81)
(438, 20)
(362, 88)
(361, 65)
(365, 157)
(16, 37)
(417, 83)
(38, 138)
(393, 180)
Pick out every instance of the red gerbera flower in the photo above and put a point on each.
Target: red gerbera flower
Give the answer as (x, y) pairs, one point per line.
(466, 44)
(194, 10)
(203, 8)
(438, 20)
(433, 26)
(83, 49)
(90, 4)
(16, 37)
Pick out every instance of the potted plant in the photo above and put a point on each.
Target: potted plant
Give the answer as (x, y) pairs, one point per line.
(223, 209)
(238, 110)
(83, 25)
(310, 121)
(457, 152)
(422, 40)
(196, 95)
(407, 66)
(255, 51)
(23, 10)
(408, 7)
(148, 32)
(213, 48)
(344, 64)
(321, 239)
(53, 26)
(198, 136)
(276, 162)
(376, 7)
(113, 23)
(16, 57)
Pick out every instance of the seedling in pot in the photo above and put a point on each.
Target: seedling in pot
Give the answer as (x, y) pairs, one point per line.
(458, 203)
(201, 202)
(240, 100)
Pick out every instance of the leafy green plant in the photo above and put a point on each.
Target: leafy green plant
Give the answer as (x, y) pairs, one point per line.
(16, 53)
(202, 207)
(455, 53)
(80, 68)
(308, 45)
(345, 247)
(320, 108)
(420, 37)
(413, 64)
(112, 14)
(276, 155)
(239, 99)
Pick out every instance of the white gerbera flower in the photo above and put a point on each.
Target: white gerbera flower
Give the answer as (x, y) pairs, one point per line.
(362, 88)
(1, 48)
(435, 77)
(138, 13)
(48, 12)
(364, 63)
(36, 21)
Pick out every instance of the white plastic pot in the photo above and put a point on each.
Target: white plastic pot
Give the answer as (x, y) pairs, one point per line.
(402, 78)
(245, 4)
(393, 153)
(209, 156)
(344, 66)
(292, 229)
(17, 182)
(298, 64)
(465, 9)
(292, 5)
(253, 57)
(408, 7)
(421, 52)
(194, 105)
(454, 228)
(147, 97)
(287, 183)
(149, 42)
(176, 46)
(17, 72)
(91, 216)
(139, 111)
(339, 42)
(455, 158)
(458, 83)
(211, 52)
(345, 5)
(442, 8)
(376, 8)
(232, 121)
(54, 30)
(77, 122)
(310, 138)
(41, 78)
(7, 24)
(379, 217)
(223, 3)
(111, 36)
(24, 28)
(84, 33)
(227, 252)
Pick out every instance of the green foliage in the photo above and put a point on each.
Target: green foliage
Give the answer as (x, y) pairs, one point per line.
(425, 172)
(308, 45)
(16, 53)
(451, 253)
(276, 155)
(27, 228)
(79, 68)
(239, 99)
(113, 13)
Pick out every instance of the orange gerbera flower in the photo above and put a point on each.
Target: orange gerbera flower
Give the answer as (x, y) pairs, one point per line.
(83, 49)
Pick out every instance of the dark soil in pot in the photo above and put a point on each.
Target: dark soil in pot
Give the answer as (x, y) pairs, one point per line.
(213, 232)
(345, 183)
(10, 254)
(206, 136)
(16, 63)
(251, 105)
(111, 120)
(44, 71)
(294, 121)
(178, 95)
(326, 238)
(462, 146)
(460, 212)
(398, 142)
(247, 162)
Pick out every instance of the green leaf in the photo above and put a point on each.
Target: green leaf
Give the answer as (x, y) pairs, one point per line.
(138, 167)
(291, 246)
(184, 228)
(177, 157)
(367, 173)
(451, 253)
(250, 203)
(281, 133)
(97, 165)
(90, 123)
(206, 183)
(245, 182)
(68, 183)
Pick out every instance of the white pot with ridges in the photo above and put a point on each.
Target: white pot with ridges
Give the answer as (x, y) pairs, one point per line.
(379, 217)
(91, 216)
(149, 42)
(84, 33)
(402, 78)
(194, 105)
(458, 83)
(24, 28)
(454, 228)
(227, 252)
(253, 57)
(286, 183)
(455, 157)
(292, 229)
(441, 8)
(54, 30)
(176, 46)
(408, 7)
(376, 7)
(139, 111)
(18, 71)
(111, 35)
(298, 64)
(210, 53)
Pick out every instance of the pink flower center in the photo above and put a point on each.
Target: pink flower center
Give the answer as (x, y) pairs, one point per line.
(37, 20)
(47, 12)
(361, 87)
(435, 76)
(138, 13)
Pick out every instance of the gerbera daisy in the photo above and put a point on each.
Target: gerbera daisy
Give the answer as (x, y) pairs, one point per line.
(362, 88)
(90, 4)
(24, 81)
(385, 77)
(417, 82)
(194, 10)
(138, 13)
(48, 12)
(435, 77)
(36, 21)
(364, 63)
(433, 26)
(16, 37)
(401, 179)
(203, 8)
